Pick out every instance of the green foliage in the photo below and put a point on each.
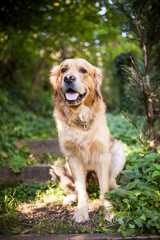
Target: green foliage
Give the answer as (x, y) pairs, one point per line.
(123, 130)
(38, 35)
(147, 10)
(21, 121)
(138, 203)
(141, 19)
(93, 190)
(127, 94)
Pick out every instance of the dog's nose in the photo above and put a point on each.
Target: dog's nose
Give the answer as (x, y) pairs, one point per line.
(69, 78)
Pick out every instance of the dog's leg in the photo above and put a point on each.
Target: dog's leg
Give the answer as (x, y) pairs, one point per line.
(79, 176)
(103, 172)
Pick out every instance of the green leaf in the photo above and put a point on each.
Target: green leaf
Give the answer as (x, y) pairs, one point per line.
(125, 200)
(102, 210)
(16, 163)
(105, 230)
(131, 185)
(127, 171)
(151, 156)
(131, 226)
(143, 217)
(138, 222)
(120, 220)
(137, 193)
(157, 166)
(156, 174)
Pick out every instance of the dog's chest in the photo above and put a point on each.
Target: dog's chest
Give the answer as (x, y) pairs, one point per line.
(75, 137)
(82, 144)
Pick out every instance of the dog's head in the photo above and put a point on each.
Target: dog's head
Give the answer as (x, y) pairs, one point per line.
(76, 81)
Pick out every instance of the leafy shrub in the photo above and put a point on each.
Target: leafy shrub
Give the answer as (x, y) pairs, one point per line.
(138, 204)
(124, 130)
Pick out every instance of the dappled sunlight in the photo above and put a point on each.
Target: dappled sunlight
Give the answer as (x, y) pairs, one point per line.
(43, 216)
(130, 149)
(31, 207)
(50, 216)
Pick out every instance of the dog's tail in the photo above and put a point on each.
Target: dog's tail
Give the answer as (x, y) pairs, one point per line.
(118, 160)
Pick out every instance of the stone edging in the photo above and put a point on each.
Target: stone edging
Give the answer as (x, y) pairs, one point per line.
(114, 236)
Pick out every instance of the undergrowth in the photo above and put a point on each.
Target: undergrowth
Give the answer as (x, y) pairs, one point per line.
(22, 120)
(138, 203)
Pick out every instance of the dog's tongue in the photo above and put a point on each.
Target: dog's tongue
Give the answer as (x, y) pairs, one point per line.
(71, 96)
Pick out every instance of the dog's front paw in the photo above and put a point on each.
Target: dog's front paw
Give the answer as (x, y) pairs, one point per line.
(81, 216)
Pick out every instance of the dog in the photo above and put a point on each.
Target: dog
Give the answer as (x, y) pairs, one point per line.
(83, 133)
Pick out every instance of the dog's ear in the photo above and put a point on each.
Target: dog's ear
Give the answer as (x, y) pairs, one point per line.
(54, 76)
(98, 81)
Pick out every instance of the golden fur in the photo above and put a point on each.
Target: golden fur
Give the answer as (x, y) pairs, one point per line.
(83, 133)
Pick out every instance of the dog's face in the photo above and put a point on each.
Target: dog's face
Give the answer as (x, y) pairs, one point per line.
(76, 81)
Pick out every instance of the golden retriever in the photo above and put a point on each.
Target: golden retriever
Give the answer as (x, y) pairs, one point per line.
(83, 133)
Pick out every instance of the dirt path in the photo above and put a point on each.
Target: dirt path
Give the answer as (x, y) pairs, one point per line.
(50, 216)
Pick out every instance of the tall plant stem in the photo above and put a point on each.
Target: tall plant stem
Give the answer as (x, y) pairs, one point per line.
(147, 97)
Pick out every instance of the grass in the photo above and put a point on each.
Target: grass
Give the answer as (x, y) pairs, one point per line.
(39, 208)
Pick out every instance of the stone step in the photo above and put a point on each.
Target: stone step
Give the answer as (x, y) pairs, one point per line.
(39, 174)
(42, 146)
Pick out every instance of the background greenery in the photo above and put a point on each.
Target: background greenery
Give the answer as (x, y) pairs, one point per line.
(34, 36)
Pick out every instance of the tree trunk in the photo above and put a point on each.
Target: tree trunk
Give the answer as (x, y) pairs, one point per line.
(147, 96)
(37, 78)
(150, 114)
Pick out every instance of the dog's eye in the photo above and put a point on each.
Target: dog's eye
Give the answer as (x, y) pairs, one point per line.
(63, 70)
(83, 70)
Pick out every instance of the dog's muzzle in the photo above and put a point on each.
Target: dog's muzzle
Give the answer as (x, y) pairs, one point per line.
(70, 90)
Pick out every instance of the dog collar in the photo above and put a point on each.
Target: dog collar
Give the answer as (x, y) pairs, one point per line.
(82, 124)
